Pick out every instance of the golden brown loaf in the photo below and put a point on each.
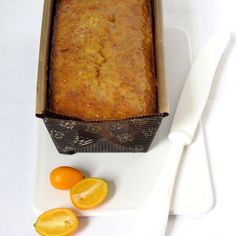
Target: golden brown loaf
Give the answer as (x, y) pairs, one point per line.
(102, 59)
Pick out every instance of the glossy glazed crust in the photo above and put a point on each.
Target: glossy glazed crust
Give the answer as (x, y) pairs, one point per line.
(102, 60)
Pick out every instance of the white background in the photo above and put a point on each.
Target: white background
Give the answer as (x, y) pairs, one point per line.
(20, 24)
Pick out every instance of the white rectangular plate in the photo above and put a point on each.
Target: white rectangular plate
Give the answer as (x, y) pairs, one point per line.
(131, 176)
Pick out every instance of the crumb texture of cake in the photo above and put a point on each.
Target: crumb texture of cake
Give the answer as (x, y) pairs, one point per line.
(102, 59)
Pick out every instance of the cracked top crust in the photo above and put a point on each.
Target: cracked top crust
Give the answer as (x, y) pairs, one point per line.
(102, 59)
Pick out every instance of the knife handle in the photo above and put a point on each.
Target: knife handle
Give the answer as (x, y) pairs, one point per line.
(160, 197)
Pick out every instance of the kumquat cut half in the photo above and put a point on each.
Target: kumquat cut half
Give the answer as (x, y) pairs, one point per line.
(57, 222)
(89, 193)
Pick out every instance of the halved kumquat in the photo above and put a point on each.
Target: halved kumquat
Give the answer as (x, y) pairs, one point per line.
(89, 193)
(57, 222)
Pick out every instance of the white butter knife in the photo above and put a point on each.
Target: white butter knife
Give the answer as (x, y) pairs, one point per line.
(153, 217)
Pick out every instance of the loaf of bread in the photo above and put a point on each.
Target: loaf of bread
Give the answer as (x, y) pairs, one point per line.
(102, 59)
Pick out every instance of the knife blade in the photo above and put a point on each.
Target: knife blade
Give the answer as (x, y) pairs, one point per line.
(153, 216)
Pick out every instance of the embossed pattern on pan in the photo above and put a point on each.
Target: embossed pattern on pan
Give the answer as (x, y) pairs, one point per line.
(72, 136)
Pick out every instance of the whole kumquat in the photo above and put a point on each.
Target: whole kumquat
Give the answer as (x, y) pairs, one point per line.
(65, 177)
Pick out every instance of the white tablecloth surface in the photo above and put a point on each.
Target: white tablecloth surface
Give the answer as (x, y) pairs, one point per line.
(20, 24)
